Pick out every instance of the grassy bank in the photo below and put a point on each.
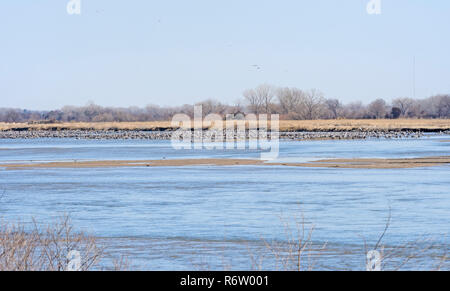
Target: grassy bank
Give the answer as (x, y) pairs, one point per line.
(426, 125)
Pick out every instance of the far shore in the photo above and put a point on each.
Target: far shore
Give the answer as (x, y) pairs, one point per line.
(418, 125)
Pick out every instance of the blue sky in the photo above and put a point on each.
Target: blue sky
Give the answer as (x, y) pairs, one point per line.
(134, 53)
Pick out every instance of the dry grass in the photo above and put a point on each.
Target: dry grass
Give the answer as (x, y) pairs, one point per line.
(366, 124)
(285, 125)
(396, 258)
(159, 125)
(299, 252)
(47, 249)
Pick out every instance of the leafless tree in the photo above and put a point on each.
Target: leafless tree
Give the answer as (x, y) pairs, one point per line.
(12, 116)
(291, 103)
(290, 99)
(404, 104)
(334, 106)
(441, 106)
(46, 249)
(355, 110)
(253, 102)
(378, 108)
(417, 109)
(312, 104)
(211, 106)
(260, 99)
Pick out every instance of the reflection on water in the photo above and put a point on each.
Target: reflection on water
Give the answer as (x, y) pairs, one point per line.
(182, 217)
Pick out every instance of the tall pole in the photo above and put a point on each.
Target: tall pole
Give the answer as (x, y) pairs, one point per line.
(414, 77)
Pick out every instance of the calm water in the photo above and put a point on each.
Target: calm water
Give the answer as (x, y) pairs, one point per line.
(213, 217)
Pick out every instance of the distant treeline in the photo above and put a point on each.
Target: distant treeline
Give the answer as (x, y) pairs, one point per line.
(290, 103)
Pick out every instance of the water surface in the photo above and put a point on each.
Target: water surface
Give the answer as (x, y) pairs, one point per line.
(173, 217)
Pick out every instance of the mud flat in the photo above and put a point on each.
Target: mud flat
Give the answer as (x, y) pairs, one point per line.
(328, 163)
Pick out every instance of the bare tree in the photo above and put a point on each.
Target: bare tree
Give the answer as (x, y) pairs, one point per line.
(334, 107)
(46, 249)
(267, 95)
(404, 104)
(441, 106)
(260, 99)
(290, 99)
(292, 103)
(211, 106)
(417, 109)
(378, 108)
(13, 116)
(253, 101)
(312, 104)
(355, 110)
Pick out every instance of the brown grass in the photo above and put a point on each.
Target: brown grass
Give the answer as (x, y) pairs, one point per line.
(329, 163)
(366, 124)
(297, 251)
(160, 125)
(285, 125)
(47, 249)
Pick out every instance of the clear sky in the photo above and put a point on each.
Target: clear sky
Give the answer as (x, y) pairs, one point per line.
(139, 52)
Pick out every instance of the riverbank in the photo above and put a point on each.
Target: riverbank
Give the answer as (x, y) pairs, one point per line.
(416, 125)
(288, 130)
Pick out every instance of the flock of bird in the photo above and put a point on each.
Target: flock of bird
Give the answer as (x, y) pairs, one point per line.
(209, 135)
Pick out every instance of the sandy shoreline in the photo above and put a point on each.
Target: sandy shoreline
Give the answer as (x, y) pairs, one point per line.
(328, 163)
